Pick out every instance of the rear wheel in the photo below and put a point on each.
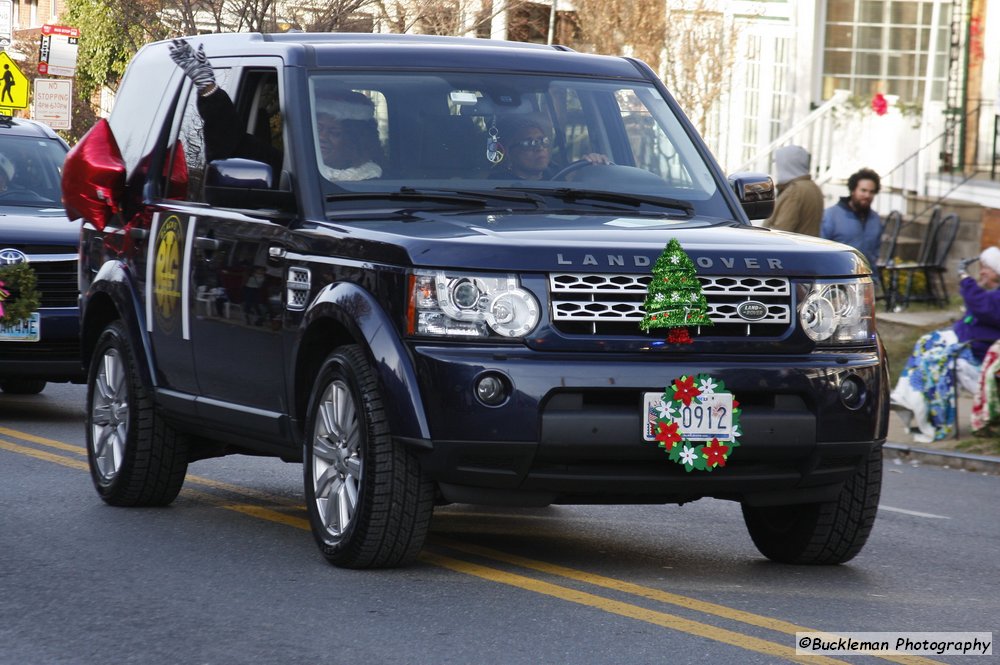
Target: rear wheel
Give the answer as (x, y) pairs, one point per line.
(136, 459)
(369, 502)
(22, 386)
(829, 532)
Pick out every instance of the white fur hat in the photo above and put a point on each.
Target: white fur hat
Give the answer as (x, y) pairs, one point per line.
(345, 105)
(7, 167)
(990, 258)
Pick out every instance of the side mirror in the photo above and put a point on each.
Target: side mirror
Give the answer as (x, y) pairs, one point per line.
(755, 192)
(93, 182)
(244, 183)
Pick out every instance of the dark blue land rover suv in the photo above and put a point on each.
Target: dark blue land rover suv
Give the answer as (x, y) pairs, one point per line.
(39, 310)
(441, 270)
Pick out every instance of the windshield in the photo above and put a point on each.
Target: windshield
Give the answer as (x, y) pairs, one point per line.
(492, 133)
(30, 169)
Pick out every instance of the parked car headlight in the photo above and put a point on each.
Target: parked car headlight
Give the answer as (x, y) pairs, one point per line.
(449, 304)
(834, 312)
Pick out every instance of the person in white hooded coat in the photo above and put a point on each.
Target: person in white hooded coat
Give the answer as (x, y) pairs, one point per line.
(799, 207)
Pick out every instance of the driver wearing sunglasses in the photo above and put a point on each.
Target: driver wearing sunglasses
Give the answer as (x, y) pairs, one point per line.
(529, 151)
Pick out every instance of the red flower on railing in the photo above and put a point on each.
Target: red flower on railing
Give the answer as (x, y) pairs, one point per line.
(879, 104)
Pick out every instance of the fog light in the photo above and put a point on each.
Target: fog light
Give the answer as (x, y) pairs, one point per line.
(492, 389)
(852, 392)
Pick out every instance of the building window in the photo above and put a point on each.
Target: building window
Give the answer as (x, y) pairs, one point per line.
(872, 47)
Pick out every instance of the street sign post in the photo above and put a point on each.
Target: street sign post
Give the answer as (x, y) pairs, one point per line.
(13, 84)
(53, 102)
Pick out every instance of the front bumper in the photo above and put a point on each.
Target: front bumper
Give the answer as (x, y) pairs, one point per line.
(571, 431)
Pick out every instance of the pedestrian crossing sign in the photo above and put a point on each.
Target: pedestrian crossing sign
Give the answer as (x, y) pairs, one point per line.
(13, 84)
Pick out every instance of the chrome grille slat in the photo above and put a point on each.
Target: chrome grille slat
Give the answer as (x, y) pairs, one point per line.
(578, 298)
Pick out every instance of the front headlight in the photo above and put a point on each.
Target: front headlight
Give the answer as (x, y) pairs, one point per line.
(838, 311)
(449, 304)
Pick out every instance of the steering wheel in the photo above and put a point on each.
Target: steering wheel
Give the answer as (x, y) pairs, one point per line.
(572, 168)
(23, 194)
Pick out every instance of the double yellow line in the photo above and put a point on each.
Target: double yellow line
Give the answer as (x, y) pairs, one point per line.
(440, 552)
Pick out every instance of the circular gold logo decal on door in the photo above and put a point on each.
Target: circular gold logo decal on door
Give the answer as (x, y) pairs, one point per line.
(167, 274)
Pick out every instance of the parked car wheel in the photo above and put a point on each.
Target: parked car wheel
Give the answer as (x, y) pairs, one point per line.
(22, 386)
(829, 532)
(369, 501)
(135, 458)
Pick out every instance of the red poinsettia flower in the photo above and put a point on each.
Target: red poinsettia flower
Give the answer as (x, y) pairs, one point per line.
(685, 390)
(715, 453)
(668, 434)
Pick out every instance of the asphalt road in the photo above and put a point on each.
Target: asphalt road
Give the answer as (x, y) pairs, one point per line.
(229, 573)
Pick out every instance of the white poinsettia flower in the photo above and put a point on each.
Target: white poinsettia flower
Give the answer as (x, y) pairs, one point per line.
(659, 297)
(688, 455)
(665, 410)
(708, 386)
(675, 296)
(694, 296)
(736, 431)
(675, 258)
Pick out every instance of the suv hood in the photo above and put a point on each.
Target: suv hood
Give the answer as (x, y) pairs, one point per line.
(37, 226)
(604, 243)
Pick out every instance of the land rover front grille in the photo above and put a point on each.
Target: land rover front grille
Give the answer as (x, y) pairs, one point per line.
(596, 304)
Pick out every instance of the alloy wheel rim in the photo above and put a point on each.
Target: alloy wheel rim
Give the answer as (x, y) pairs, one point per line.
(336, 463)
(109, 416)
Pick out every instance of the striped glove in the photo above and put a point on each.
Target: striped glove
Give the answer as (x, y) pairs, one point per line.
(194, 63)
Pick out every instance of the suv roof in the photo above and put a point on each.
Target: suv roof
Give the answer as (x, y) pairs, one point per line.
(24, 127)
(365, 50)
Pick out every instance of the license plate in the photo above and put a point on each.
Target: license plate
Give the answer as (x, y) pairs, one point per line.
(707, 417)
(25, 330)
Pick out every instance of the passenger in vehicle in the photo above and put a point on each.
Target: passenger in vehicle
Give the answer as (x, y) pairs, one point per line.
(347, 136)
(528, 150)
(223, 136)
(6, 172)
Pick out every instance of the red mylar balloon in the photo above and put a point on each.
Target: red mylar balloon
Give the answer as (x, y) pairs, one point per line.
(94, 177)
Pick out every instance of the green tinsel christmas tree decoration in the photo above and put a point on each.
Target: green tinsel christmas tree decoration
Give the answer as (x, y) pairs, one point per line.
(675, 299)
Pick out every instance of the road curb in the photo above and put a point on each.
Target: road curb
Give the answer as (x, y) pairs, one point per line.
(955, 460)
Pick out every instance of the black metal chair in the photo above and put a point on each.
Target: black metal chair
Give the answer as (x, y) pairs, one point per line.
(887, 251)
(931, 264)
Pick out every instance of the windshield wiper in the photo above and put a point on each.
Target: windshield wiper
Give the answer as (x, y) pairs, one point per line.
(478, 198)
(632, 200)
(408, 195)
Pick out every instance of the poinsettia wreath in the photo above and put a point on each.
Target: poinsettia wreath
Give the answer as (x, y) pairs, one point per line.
(18, 295)
(684, 392)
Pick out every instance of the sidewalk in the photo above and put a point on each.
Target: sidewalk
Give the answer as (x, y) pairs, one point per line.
(899, 444)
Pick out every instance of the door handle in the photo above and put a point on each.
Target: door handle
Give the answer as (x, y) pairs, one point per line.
(207, 244)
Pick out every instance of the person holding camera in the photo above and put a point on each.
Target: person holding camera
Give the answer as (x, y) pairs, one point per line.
(923, 394)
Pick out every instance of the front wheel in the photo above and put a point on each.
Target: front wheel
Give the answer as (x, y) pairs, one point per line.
(136, 459)
(829, 532)
(369, 502)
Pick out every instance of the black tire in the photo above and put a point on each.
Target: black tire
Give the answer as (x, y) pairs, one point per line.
(135, 458)
(22, 386)
(369, 501)
(829, 532)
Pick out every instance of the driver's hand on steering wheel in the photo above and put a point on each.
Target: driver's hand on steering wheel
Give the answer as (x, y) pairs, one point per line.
(596, 158)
